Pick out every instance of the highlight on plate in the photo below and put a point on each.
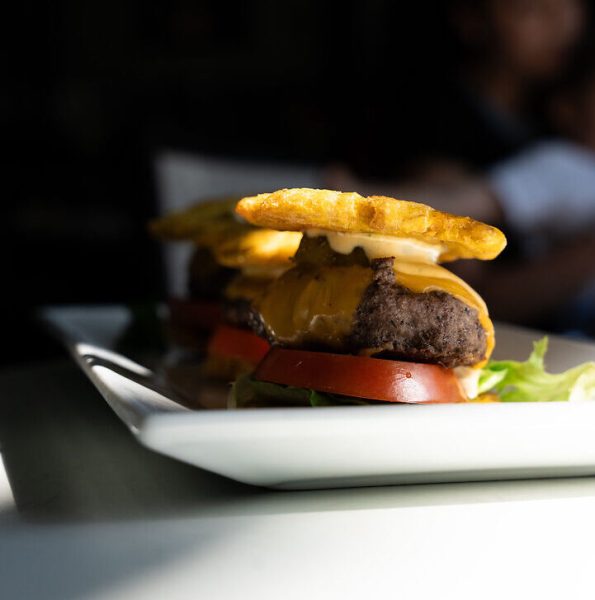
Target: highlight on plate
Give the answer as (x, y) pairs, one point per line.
(356, 307)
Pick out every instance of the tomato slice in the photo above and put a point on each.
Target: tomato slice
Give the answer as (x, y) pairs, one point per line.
(361, 377)
(241, 344)
(194, 314)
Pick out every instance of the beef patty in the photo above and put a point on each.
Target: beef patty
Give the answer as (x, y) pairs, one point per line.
(432, 327)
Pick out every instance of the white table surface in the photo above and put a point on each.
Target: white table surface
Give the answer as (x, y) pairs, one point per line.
(85, 512)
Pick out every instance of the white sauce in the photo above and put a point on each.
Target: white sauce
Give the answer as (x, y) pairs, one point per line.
(380, 246)
(469, 379)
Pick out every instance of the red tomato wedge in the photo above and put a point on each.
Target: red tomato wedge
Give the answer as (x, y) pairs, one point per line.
(231, 342)
(195, 314)
(361, 377)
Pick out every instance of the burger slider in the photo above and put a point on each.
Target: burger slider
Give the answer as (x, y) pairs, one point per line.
(367, 313)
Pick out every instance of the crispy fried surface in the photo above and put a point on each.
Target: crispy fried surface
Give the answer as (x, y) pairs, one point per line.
(233, 243)
(256, 248)
(201, 221)
(299, 209)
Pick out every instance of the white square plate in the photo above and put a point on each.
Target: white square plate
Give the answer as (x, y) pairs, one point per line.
(305, 448)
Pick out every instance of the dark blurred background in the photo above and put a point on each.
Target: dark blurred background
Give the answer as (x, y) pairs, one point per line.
(94, 90)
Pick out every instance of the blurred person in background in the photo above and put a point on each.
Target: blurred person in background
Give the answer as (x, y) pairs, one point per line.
(478, 154)
(546, 195)
(509, 53)
(485, 104)
(488, 104)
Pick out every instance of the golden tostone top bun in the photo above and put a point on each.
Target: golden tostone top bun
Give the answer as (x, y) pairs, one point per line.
(234, 243)
(299, 209)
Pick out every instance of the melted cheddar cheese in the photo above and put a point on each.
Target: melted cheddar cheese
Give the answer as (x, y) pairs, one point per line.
(314, 305)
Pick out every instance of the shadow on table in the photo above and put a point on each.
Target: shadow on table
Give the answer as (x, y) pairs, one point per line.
(93, 510)
(68, 457)
(99, 559)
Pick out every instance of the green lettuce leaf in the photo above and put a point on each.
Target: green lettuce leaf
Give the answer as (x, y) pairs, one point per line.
(528, 381)
(247, 392)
